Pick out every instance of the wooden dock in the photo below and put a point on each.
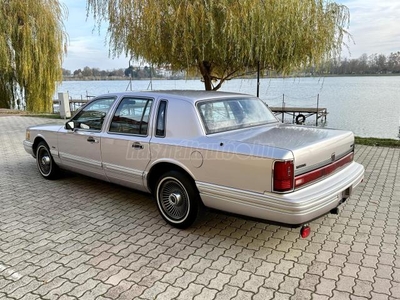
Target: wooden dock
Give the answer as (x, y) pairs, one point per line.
(301, 114)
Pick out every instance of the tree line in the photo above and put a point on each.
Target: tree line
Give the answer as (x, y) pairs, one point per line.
(131, 72)
(364, 65)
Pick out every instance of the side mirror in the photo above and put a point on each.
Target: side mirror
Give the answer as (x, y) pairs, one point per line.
(70, 125)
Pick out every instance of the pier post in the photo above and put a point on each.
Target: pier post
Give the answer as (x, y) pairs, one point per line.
(65, 111)
(283, 109)
(258, 79)
(317, 114)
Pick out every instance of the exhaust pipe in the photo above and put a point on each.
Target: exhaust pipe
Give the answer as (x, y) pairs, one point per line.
(334, 211)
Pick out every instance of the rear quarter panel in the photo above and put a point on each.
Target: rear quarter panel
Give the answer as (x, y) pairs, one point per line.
(234, 165)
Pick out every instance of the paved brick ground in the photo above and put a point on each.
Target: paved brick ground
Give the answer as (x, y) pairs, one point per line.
(78, 238)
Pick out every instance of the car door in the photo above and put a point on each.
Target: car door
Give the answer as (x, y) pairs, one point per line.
(125, 145)
(79, 143)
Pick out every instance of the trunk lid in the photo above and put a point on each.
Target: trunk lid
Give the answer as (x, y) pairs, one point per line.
(311, 147)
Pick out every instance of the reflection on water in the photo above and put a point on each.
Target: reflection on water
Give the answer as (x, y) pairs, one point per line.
(369, 106)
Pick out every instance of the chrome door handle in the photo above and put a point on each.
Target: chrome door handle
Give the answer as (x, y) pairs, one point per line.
(137, 145)
(92, 140)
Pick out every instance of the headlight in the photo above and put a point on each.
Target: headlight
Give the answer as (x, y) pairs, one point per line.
(28, 135)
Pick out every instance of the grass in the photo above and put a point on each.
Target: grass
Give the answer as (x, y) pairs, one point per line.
(22, 113)
(378, 142)
(5, 111)
(47, 116)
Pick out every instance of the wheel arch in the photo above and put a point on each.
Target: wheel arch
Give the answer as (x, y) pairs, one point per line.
(36, 142)
(160, 168)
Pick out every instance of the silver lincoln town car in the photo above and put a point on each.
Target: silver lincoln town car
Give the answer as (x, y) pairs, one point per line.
(225, 151)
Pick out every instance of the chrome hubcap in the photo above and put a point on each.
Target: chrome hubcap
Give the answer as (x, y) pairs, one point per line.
(174, 200)
(45, 160)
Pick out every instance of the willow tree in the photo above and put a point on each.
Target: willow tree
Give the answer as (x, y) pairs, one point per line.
(32, 44)
(224, 38)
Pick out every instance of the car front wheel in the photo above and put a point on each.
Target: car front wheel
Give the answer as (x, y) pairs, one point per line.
(177, 199)
(45, 163)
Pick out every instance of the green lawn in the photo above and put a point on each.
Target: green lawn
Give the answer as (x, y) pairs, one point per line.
(378, 142)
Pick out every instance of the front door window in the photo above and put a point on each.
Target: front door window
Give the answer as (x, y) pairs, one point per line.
(91, 117)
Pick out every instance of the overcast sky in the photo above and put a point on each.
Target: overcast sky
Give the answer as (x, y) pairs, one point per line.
(374, 26)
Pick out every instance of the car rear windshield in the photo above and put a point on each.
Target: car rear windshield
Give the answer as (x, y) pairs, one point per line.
(229, 114)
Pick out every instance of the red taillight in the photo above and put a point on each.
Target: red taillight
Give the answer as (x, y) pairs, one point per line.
(283, 176)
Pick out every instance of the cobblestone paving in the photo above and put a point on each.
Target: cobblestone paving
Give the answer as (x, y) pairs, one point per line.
(78, 238)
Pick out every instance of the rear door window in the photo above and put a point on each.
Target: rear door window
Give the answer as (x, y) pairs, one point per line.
(161, 119)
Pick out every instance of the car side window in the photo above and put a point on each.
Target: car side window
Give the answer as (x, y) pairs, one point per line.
(160, 122)
(132, 116)
(91, 117)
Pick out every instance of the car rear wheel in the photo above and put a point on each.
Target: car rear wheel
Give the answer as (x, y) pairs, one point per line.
(45, 163)
(177, 199)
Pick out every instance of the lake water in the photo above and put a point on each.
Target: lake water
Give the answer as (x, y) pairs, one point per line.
(368, 106)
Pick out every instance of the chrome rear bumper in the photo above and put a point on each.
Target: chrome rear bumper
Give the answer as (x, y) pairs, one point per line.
(294, 208)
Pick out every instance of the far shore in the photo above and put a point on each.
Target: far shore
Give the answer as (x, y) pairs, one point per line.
(111, 78)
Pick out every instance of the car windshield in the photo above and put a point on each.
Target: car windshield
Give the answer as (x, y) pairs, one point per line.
(229, 114)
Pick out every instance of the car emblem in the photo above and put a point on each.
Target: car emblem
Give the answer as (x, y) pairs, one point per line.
(333, 157)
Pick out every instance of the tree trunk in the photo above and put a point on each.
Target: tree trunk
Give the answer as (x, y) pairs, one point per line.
(4, 103)
(6, 93)
(205, 70)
